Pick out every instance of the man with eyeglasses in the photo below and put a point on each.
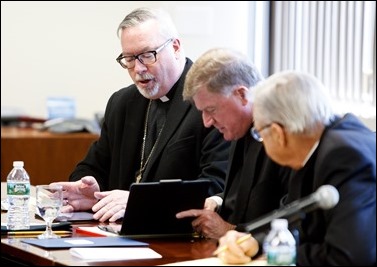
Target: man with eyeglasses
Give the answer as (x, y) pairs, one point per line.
(149, 133)
(294, 118)
(220, 83)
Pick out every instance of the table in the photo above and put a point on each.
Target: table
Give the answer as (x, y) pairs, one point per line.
(171, 249)
(49, 157)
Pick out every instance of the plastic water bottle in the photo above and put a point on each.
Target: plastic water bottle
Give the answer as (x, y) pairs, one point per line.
(18, 190)
(280, 245)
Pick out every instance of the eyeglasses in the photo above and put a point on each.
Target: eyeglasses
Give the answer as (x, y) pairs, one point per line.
(256, 133)
(146, 58)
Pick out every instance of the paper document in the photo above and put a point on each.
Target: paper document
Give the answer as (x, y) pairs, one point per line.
(5, 204)
(75, 216)
(102, 254)
(34, 226)
(214, 261)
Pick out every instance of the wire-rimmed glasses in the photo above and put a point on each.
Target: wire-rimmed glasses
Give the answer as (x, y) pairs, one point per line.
(146, 58)
(256, 133)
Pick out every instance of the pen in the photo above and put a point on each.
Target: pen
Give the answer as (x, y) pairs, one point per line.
(38, 233)
(239, 241)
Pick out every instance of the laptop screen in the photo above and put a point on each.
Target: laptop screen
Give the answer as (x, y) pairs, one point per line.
(151, 207)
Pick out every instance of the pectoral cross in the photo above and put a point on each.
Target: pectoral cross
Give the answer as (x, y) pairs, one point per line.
(138, 178)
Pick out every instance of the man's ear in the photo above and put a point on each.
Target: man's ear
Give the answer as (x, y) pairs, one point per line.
(241, 93)
(278, 133)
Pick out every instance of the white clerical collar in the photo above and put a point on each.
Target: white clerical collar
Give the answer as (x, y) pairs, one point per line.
(310, 153)
(164, 98)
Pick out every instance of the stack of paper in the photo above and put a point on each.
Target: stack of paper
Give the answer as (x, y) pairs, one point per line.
(214, 261)
(109, 254)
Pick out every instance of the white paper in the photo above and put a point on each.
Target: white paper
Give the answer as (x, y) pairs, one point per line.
(33, 224)
(214, 261)
(5, 204)
(109, 254)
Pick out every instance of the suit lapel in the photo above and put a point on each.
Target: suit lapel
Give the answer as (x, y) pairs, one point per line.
(176, 114)
(133, 130)
(250, 174)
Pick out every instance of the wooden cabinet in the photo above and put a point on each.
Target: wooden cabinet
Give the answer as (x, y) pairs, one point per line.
(49, 157)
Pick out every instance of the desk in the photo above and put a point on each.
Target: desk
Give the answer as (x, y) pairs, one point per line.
(49, 157)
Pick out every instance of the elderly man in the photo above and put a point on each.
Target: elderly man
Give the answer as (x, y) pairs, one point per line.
(295, 121)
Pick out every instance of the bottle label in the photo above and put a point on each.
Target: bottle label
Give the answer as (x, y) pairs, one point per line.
(281, 255)
(18, 189)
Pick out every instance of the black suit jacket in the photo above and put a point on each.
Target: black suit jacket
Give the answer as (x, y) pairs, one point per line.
(186, 149)
(255, 184)
(346, 234)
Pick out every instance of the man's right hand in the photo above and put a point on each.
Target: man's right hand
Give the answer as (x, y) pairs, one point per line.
(111, 205)
(208, 223)
(79, 195)
(237, 253)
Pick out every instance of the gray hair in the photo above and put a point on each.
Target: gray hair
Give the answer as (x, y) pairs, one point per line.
(220, 70)
(140, 15)
(296, 100)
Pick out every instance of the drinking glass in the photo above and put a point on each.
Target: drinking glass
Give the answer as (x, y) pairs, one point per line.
(49, 202)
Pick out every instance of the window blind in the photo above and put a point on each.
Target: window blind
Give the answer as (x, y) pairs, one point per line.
(335, 41)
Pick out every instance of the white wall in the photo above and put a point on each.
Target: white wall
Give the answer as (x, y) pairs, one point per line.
(69, 48)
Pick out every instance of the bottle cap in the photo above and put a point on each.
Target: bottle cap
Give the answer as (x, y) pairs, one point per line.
(18, 163)
(279, 223)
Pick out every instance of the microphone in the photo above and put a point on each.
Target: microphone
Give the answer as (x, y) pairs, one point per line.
(326, 197)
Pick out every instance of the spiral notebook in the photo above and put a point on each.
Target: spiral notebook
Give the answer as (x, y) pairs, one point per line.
(151, 208)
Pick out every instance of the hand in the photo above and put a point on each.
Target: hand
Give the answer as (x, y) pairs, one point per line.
(237, 253)
(210, 204)
(111, 206)
(79, 195)
(208, 222)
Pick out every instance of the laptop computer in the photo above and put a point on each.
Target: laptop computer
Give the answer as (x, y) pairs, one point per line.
(151, 208)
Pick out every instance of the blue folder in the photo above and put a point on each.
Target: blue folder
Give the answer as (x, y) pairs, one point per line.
(74, 242)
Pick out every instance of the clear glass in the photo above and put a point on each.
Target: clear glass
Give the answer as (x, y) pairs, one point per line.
(49, 202)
